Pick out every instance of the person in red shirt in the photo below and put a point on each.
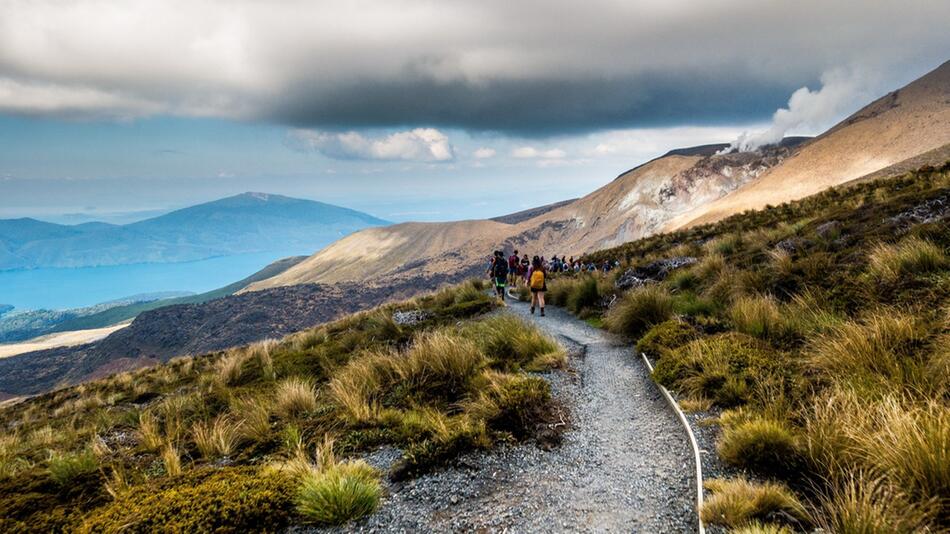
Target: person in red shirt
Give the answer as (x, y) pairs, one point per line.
(513, 269)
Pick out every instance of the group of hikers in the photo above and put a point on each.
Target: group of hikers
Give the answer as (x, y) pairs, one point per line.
(516, 270)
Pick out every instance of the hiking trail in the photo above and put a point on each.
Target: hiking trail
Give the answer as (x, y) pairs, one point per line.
(625, 464)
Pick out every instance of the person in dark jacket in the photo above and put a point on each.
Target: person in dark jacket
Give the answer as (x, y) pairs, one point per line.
(500, 273)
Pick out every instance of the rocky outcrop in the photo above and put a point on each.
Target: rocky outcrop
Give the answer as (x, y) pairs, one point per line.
(652, 272)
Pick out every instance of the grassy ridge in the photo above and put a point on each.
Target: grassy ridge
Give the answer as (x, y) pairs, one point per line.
(822, 327)
(253, 438)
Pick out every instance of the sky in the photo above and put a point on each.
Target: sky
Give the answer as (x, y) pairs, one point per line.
(417, 109)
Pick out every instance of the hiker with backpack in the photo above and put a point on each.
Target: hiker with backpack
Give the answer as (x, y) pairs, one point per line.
(500, 273)
(537, 282)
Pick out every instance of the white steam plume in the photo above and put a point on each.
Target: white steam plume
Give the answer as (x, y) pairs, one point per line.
(842, 90)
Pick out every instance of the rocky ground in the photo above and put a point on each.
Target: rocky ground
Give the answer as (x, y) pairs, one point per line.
(625, 464)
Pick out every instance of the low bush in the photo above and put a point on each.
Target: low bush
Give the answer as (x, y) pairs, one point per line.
(763, 445)
(738, 503)
(511, 403)
(638, 310)
(206, 500)
(756, 527)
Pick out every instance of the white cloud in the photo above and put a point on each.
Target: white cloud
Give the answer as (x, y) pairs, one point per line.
(530, 152)
(419, 144)
(484, 153)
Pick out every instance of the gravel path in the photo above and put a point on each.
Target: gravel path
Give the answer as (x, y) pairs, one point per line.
(624, 466)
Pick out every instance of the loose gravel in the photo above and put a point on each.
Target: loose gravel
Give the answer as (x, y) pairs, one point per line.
(625, 464)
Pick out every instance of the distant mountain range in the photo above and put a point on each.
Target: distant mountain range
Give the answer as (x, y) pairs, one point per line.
(250, 222)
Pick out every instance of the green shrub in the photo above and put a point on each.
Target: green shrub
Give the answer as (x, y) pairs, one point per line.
(638, 310)
(756, 527)
(666, 335)
(512, 403)
(64, 467)
(763, 445)
(738, 503)
(206, 500)
(338, 493)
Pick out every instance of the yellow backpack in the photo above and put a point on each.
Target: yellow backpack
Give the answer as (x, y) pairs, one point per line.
(537, 279)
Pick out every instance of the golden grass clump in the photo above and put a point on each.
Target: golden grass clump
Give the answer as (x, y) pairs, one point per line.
(255, 410)
(229, 367)
(64, 467)
(150, 434)
(10, 461)
(219, 437)
(293, 397)
(638, 310)
(876, 354)
(911, 446)
(764, 445)
(859, 504)
(911, 257)
(759, 316)
(738, 502)
(171, 460)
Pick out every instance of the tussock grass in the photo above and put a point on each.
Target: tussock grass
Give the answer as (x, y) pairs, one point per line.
(294, 397)
(764, 445)
(911, 446)
(638, 310)
(511, 343)
(171, 460)
(876, 354)
(859, 504)
(256, 413)
(65, 467)
(332, 492)
(219, 437)
(761, 528)
(230, 367)
(913, 256)
(150, 435)
(10, 461)
(724, 368)
(758, 316)
(738, 503)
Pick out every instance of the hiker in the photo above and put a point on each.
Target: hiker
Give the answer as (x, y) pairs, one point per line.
(537, 280)
(523, 269)
(500, 273)
(513, 261)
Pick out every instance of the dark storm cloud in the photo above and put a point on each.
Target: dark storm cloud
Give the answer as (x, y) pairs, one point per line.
(533, 107)
(530, 66)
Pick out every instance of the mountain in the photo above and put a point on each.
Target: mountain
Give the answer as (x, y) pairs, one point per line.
(681, 188)
(250, 222)
(898, 126)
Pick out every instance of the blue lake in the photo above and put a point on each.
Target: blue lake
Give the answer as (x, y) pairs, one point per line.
(59, 289)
